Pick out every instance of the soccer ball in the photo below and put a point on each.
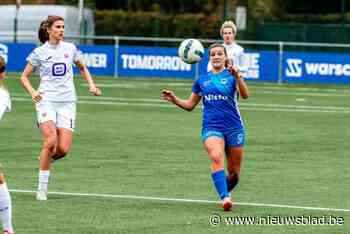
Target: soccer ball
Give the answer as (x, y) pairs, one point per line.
(191, 51)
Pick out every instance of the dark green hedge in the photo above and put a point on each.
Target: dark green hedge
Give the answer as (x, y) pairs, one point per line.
(126, 23)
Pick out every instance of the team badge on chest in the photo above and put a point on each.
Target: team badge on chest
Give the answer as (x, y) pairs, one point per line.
(223, 81)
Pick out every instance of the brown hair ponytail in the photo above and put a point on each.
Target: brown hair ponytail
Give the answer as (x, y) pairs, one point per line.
(43, 35)
(2, 65)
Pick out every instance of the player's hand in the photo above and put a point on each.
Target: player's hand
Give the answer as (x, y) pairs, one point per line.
(95, 91)
(36, 96)
(168, 95)
(228, 62)
(234, 71)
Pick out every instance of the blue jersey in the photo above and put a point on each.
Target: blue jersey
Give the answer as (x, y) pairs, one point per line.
(219, 97)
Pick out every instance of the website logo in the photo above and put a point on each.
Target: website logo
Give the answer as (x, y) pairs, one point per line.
(294, 68)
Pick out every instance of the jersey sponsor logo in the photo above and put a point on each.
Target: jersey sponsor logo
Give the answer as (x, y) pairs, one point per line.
(4, 52)
(154, 62)
(59, 69)
(215, 97)
(294, 68)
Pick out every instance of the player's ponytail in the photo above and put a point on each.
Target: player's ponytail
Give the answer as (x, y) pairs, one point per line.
(43, 35)
(2, 69)
(2, 64)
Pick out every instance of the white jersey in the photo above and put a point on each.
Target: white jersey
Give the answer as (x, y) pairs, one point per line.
(236, 53)
(55, 66)
(5, 102)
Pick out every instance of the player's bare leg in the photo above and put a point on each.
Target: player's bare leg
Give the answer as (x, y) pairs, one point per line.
(64, 143)
(234, 157)
(215, 149)
(49, 134)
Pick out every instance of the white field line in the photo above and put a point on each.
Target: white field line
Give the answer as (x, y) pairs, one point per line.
(142, 84)
(316, 92)
(189, 84)
(183, 200)
(309, 94)
(160, 100)
(243, 106)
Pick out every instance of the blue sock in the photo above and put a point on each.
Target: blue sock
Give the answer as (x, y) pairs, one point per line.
(219, 179)
(232, 183)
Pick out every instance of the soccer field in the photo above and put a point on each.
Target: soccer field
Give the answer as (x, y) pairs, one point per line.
(137, 164)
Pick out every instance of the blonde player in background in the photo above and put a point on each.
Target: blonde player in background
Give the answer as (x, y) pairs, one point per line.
(5, 198)
(235, 52)
(55, 99)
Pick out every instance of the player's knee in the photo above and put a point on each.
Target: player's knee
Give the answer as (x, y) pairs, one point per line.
(62, 150)
(50, 144)
(217, 157)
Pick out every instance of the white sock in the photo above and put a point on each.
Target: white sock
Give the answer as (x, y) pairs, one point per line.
(43, 180)
(5, 208)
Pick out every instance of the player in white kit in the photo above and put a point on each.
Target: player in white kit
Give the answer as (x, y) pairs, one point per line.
(55, 99)
(5, 198)
(235, 52)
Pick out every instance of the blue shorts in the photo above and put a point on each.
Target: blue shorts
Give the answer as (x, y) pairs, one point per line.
(232, 138)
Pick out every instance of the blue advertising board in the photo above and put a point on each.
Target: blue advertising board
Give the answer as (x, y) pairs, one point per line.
(303, 67)
(261, 65)
(99, 59)
(164, 62)
(15, 55)
(297, 67)
(152, 62)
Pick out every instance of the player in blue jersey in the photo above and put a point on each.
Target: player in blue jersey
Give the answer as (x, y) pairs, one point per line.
(222, 126)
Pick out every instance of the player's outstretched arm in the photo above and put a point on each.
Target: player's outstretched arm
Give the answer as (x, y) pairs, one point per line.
(188, 104)
(28, 70)
(241, 85)
(87, 76)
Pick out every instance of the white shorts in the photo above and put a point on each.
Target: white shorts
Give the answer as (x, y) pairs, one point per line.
(61, 113)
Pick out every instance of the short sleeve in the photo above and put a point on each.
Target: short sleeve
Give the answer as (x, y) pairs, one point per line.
(77, 54)
(196, 88)
(34, 59)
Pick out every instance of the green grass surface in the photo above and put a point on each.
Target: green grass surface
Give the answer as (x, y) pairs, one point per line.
(129, 142)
